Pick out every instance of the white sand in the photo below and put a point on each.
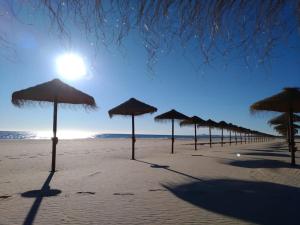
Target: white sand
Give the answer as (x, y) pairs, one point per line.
(97, 183)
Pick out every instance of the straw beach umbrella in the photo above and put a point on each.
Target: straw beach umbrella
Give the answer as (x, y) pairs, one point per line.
(56, 92)
(193, 121)
(223, 125)
(287, 101)
(230, 128)
(284, 126)
(132, 107)
(171, 115)
(210, 124)
(283, 118)
(235, 128)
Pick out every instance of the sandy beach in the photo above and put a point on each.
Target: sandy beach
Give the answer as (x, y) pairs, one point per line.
(97, 183)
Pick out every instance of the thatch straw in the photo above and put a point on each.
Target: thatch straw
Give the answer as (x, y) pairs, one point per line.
(283, 119)
(132, 107)
(210, 123)
(52, 91)
(57, 92)
(171, 115)
(192, 121)
(285, 127)
(223, 125)
(288, 100)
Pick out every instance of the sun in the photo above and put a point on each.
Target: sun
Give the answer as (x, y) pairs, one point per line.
(70, 66)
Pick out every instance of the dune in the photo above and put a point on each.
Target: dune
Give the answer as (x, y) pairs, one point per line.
(97, 183)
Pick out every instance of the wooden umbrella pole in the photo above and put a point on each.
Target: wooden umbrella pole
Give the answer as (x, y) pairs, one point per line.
(235, 137)
(209, 136)
(288, 136)
(54, 139)
(241, 138)
(222, 138)
(195, 125)
(229, 137)
(172, 136)
(133, 138)
(291, 144)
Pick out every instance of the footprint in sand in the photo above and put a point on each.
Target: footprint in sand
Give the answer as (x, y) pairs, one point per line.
(5, 196)
(158, 189)
(93, 174)
(123, 194)
(86, 192)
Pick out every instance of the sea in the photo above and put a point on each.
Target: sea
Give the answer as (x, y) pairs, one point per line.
(20, 135)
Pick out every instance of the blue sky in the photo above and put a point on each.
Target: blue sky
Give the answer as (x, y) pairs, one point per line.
(116, 74)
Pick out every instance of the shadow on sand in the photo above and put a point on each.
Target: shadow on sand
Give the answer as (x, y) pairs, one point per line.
(262, 163)
(45, 191)
(266, 154)
(255, 202)
(166, 167)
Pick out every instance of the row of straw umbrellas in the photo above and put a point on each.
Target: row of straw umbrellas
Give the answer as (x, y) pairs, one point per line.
(134, 107)
(286, 102)
(57, 92)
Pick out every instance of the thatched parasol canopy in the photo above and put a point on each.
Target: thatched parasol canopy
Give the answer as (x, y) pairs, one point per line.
(132, 107)
(285, 101)
(52, 91)
(193, 121)
(223, 125)
(285, 127)
(210, 124)
(171, 115)
(56, 92)
(283, 119)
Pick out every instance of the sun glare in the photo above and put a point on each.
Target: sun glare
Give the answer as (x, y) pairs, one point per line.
(65, 134)
(70, 66)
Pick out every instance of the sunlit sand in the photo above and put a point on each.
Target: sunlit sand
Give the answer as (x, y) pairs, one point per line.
(97, 183)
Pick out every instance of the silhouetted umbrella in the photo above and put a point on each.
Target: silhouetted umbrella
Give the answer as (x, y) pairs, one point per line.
(283, 118)
(235, 129)
(171, 115)
(210, 124)
(285, 131)
(284, 126)
(132, 108)
(194, 120)
(57, 92)
(287, 101)
(230, 130)
(223, 125)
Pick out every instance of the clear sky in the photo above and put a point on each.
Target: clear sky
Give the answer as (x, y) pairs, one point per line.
(221, 91)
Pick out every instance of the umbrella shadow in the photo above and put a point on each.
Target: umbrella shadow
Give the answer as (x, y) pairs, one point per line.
(45, 191)
(268, 150)
(251, 201)
(261, 163)
(166, 167)
(266, 154)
